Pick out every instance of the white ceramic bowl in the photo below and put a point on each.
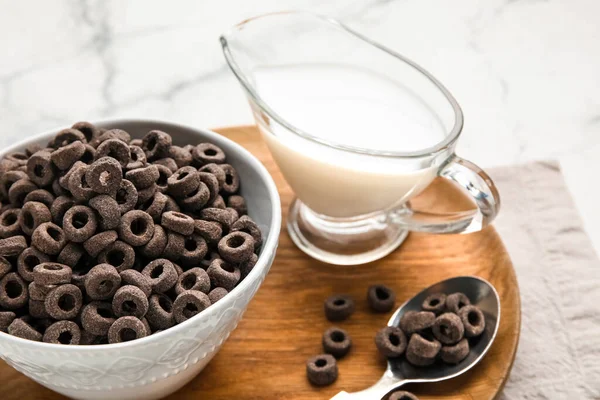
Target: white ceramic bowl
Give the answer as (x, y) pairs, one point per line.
(157, 365)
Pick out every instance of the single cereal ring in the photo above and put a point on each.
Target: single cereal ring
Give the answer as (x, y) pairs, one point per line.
(38, 292)
(217, 294)
(218, 202)
(236, 247)
(63, 332)
(163, 177)
(448, 328)
(89, 155)
(137, 157)
(37, 309)
(22, 329)
(212, 183)
(89, 130)
(116, 149)
(155, 206)
(456, 353)
(206, 153)
(5, 266)
(247, 266)
(381, 298)
(137, 279)
(32, 148)
(13, 292)
(104, 175)
(402, 395)
(177, 222)
(71, 254)
(193, 279)
(143, 177)
(40, 168)
(7, 179)
(64, 302)
(223, 274)
(17, 157)
(125, 329)
(336, 342)
(126, 196)
(19, 190)
(51, 273)
(167, 162)
(12, 246)
(246, 224)
(175, 246)
(79, 224)
(136, 228)
(183, 182)
(222, 216)
(473, 320)
(160, 312)
(456, 301)
(214, 169)
(78, 183)
(156, 246)
(28, 259)
(119, 134)
(322, 370)
(211, 231)
(119, 254)
(64, 157)
(7, 166)
(156, 144)
(414, 321)
(209, 258)
(162, 275)
(66, 137)
(435, 303)
(100, 242)
(181, 156)
(391, 342)
(146, 194)
(171, 204)
(6, 318)
(232, 179)
(102, 281)
(97, 317)
(194, 250)
(10, 224)
(338, 307)
(422, 352)
(188, 304)
(238, 203)
(198, 198)
(130, 300)
(60, 207)
(108, 211)
(40, 195)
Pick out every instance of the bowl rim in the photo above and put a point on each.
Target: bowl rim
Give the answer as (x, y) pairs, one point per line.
(268, 249)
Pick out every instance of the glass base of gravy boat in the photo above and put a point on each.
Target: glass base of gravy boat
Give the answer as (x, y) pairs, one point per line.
(357, 130)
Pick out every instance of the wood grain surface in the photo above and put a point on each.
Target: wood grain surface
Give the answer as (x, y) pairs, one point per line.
(265, 357)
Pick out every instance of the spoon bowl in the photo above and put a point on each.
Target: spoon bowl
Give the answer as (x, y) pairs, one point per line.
(400, 372)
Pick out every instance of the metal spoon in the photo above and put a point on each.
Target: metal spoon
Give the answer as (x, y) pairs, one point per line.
(399, 372)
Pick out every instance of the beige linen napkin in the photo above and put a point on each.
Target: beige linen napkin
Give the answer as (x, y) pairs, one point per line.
(559, 280)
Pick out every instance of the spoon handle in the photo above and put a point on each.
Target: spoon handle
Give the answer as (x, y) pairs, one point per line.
(376, 392)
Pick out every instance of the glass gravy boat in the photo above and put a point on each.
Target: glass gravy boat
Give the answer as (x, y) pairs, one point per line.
(357, 131)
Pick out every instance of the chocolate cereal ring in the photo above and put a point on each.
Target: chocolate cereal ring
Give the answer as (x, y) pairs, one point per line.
(322, 370)
(79, 224)
(89, 155)
(17, 157)
(40, 168)
(183, 182)
(163, 177)
(160, 312)
(146, 194)
(175, 246)
(22, 329)
(6, 318)
(71, 254)
(64, 302)
(137, 279)
(28, 260)
(212, 183)
(177, 222)
(10, 225)
(171, 205)
(143, 177)
(116, 149)
(223, 274)
(181, 156)
(456, 353)
(156, 246)
(167, 162)
(162, 275)
(232, 179)
(104, 175)
(473, 320)
(193, 279)
(63, 332)
(64, 157)
(336, 342)
(66, 137)
(102, 281)
(448, 328)
(391, 342)
(5, 266)
(216, 171)
(456, 301)
(156, 144)
(415, 321)
(119, 254)
(130, 300)
(88, 130)
(236, 247)
(194, 250)
(60, 207)
(7, 179)
(51, 273)
(119, 134)
(13, 292)
(137, 157)
(196, 199)
(188, 304)
(246, 224)
(435, 303)
(238, 203)
(97, 317)
(247, 266)
(100, 242)
(421, 351)
(37, 309)
(39, 292)
(12, 246)
(126, 196)
(125, 329)
(381, 298)
(40, 195)
(206, 153)
(78, 183)
(218, 202)
(32, 148)
(211, 231)
(107, 208)
(217, 294)
(136, 228)
(339, 307)
(222, 216)
(155, 206)
(19, 190)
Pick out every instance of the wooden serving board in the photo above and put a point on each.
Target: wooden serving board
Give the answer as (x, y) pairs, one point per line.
(265, 357)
